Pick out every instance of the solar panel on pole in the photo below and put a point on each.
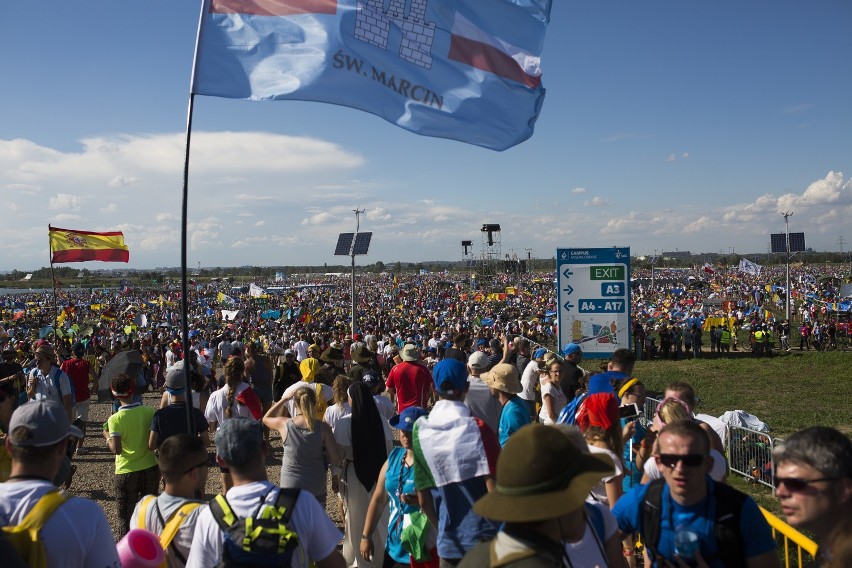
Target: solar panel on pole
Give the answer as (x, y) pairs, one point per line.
(344, 244)
(362, 243)
(797, 242)
(778, 242)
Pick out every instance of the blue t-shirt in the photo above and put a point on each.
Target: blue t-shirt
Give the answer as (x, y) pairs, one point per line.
(699, 519)
(398, 470)
(632, 473)
(515, 415)
(459, 528)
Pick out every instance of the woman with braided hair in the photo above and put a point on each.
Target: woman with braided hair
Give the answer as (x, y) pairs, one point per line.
(225, 404)
(305, 442)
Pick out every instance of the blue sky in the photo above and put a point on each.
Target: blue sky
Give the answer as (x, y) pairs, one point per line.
(667, 125)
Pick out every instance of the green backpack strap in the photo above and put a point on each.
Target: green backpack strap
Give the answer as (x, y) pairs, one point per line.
(222, 512)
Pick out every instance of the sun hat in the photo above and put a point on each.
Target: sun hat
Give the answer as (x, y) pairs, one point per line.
(362, 354)
(46, 350)
(331, 355)
(503, 377)
(406, 419)
(410, 353)
(478, 360)
(541, 474)
(47, 422)
(239, 440)
(450, 372)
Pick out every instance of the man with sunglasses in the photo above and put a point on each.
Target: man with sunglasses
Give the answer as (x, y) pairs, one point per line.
(813, 481)
(183, 464)
(690, 522)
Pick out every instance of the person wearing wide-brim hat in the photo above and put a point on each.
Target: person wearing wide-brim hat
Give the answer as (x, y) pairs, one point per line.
(544, 475)
(505, 385)
(363, 361)
(332, 364)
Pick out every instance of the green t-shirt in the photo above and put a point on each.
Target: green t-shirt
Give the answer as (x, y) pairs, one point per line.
(133, 424)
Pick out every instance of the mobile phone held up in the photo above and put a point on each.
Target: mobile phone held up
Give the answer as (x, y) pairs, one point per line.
(628, 410)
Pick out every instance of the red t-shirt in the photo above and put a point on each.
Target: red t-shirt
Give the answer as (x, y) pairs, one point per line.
(412, 383)
(78, 371)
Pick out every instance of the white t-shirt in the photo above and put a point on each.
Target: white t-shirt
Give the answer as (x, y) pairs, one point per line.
(168, 505)
(318, 537)
(591, 549)
(77, 534)
(385, 406)
(323, 390)
(218, 401)
(529, 379)
(335, 412)
(718, 473)
(599, 490)
(45, 386)
(559, 401)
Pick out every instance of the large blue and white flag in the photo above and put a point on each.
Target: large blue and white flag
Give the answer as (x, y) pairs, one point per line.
(468, 70)
(749, 267)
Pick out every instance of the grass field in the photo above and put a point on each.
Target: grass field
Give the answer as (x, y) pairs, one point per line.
(788, 391)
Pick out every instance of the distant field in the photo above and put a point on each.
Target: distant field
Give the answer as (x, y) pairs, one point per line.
(789, 392)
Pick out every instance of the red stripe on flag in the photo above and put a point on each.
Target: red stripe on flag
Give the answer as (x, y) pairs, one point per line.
(273, 7)
(489, 58)
(83, 255)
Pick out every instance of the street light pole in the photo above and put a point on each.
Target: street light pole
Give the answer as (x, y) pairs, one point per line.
(787, 216)
(352, 254)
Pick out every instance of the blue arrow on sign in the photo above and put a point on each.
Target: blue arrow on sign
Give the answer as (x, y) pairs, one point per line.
(568, 306)
(568, 289)
(567, 273)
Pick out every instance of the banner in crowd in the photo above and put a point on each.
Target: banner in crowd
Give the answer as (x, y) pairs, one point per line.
(749, 267)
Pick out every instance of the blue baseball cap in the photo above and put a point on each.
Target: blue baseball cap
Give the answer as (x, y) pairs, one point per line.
(571, 348)
(450, 371)
(405, 421)
(602, 382)
(539, 353)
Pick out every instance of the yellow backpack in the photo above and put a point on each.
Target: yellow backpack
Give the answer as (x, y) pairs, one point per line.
(25, 537)
(170, 527)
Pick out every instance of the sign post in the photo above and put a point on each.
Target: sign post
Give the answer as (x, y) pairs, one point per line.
(593, 292)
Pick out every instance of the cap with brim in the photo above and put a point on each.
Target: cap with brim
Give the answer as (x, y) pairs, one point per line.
(175, 380)
(47, 422)
(410, 353)
(405, 421)
(503, 377)
(478, 360)
(239, 440)
(570, 349)
(450, 376)
(602, 382)
(541, 475)
(539, 353)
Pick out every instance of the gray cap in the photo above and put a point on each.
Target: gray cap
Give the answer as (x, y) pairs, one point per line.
(47, 422)
(175, 380)
(239, 441)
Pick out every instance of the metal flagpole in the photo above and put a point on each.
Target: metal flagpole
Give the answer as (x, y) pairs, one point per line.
(184, 300)
(53, 279)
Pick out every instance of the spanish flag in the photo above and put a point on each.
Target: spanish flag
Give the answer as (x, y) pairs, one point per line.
(67, 245)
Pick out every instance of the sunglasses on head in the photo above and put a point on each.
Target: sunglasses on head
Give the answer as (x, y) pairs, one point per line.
(797, 484)
(689, 460)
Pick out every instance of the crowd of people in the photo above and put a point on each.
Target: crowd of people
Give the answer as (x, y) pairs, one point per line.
(450, 431)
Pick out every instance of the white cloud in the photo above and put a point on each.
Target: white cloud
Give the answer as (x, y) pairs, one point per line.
(65, 202)
(597, 202)
(318, 219)
(122, 181)
(109, 208)
(64, 217)
(260, 224)
(163, 217)
(578, 190)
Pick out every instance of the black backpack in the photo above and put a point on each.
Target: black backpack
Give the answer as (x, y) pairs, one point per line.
(263, 540)
(730, 549)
